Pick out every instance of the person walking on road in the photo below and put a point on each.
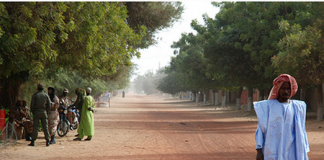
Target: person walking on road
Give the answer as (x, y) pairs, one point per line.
(281, 132)
(86, 127)
(40, 106)
(53, 114)
(108, 95)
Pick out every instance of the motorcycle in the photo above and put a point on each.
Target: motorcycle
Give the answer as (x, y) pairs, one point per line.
(75, 122)
(63, 126)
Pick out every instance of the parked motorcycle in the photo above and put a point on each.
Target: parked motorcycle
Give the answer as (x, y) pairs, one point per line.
(74, 123)
(63, 126)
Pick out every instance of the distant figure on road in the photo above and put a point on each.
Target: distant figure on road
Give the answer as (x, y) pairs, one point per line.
(281, 132)
(123, 93)
(108, 95)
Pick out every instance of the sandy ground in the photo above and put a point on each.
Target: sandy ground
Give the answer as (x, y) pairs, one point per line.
(141, 127)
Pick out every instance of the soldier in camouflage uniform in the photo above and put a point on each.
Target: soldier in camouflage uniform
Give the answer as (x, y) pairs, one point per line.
(53, 115)
(65, 101)
(40, 106)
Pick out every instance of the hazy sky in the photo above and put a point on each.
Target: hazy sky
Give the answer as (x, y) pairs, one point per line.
(162, 51)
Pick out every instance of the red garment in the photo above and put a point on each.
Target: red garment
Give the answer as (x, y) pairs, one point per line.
(277, 83)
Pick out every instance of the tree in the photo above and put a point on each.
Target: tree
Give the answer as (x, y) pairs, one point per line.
(90, 39)
(302, 56)
(155, 16)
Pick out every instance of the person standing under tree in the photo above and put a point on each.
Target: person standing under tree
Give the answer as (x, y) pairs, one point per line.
(28, 122)
(80, 99)
(53, 115)
(40, 106)
(281, 132)
(18, 115)
(86, 127)
(65, 102)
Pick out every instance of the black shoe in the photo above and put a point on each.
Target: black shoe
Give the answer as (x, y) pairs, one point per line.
(88, 139)
(31, 143)
(53, 141)
(28, 138)
(47, 143)
(77, 135)
(77, 139)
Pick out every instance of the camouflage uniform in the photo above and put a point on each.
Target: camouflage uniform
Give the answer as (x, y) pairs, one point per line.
(17, 114)
(53, 116)
(28, 125)
(65, 101)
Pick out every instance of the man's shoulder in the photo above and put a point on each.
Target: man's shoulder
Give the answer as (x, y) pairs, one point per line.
(300, 105)
(298, 102)
(88, 97)
(264, 102)
(38, 93)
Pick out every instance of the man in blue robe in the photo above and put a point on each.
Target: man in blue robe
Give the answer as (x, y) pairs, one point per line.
(281, 132)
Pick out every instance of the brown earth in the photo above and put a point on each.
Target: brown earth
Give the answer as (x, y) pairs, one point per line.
(141, 127)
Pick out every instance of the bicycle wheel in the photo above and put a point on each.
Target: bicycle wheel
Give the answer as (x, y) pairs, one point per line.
(63, 128)
(8, 134)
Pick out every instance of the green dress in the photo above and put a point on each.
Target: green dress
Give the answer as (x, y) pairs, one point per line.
(87, 120)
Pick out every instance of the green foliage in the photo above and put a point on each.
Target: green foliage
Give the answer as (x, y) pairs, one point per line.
(91, 41)
(249, 44)
(72, 80)
(301, 53)
(155, 16)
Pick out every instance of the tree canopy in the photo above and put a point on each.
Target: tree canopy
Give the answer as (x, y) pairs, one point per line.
(248, 44)
(93, 40)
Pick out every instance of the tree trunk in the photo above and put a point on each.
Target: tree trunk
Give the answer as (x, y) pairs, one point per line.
(261, 97)
(193, 97)
(190, 95)
(179, 96)
(319, 102)
(205, 98)
(238, 98)
(266, 93)
(250, 99)
(197, 97)
(213, 98)
(9, 91)
(223, 98)
(303, 92)
(216, 97)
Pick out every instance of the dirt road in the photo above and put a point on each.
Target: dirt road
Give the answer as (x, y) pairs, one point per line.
(140, 127)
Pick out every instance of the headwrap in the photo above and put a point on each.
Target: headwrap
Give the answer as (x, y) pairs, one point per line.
(52, 95)
(88, 90)
(77, 90)
(66, 90)
(277, 83)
